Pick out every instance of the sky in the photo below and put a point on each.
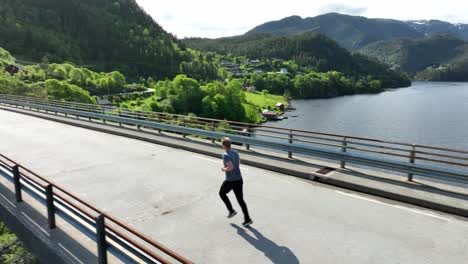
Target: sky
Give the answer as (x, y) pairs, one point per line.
(221, 18)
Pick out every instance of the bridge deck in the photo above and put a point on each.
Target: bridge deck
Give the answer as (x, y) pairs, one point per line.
(171, 195)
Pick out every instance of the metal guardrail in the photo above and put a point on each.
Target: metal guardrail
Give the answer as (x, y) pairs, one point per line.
(388, 155)
(110, 234)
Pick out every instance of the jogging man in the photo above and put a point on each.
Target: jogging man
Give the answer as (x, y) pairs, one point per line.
(233, 181)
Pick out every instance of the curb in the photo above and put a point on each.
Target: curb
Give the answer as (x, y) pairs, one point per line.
(395, 196)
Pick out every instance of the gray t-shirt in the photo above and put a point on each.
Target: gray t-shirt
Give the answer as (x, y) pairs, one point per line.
(232, 156)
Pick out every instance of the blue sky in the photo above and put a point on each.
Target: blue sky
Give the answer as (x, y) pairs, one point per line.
(218, 18)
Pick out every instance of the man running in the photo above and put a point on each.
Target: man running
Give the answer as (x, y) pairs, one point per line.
(233, 181)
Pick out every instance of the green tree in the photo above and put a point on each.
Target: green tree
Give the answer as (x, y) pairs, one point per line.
(60, 90)
(5, 58)
(185, 94)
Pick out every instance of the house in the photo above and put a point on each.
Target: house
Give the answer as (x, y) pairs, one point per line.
(258, 71)
(12, 69)
(225, 63)
(280, 106)
(233, 69)
(250, 89)
(256, 61)
(283, 71)
(104, 101)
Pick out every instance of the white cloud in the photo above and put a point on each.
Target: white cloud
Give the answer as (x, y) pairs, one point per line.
(344, 9)
(217, 18)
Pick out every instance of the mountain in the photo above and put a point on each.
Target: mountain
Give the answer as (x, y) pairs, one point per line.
(313, 50)
(437, 57)
(306, 49)
(355, 32)
(108, 34)
(352, 32)
(430, 27)
(455, 70)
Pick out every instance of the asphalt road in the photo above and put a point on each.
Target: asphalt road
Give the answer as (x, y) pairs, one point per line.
(172, 196)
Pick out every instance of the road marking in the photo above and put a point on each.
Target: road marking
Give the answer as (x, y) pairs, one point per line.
(216, 161)
(203, 158)
(70, 253)
(394, 206)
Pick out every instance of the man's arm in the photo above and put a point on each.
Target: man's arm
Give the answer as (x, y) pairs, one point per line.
(228, 167)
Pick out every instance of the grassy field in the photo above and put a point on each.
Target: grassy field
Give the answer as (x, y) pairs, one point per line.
(263, 101)
(254, 105)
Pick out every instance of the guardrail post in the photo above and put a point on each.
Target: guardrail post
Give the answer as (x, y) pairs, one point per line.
(159, 121)
(290, 142)
(344, 149)
(50, 206)
(247, 146)
(101, 239)
(184, 125)
(16, 180)
(104, 113)
(412, 158)
(213, 129)
(138, 118)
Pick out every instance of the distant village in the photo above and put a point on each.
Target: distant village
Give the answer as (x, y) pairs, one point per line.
(250, 67)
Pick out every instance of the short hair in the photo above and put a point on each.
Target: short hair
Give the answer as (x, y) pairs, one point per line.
(226, 142)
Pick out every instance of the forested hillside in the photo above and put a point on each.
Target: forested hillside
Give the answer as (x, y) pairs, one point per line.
(306, 49)
(351, 32)
(355, 32)
(454, 70)
(104, 34)
(312, 50)
(438, 57)
(60, 81)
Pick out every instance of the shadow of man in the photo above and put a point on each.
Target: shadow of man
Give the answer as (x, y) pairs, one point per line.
(276, 254)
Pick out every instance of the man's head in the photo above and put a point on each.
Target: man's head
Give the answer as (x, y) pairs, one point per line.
(226, 142)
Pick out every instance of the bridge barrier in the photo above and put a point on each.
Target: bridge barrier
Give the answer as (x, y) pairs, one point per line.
(411, 159)
(110, 234)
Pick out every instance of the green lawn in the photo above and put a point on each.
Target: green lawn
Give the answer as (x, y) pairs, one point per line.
(254, 105)
(263, 101)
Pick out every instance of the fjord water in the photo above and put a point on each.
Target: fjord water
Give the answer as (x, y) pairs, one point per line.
(426, 113)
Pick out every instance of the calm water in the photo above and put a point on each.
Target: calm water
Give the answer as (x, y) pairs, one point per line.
(426, 113)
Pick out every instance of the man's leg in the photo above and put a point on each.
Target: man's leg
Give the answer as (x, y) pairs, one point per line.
(225, 188)
(240, 199)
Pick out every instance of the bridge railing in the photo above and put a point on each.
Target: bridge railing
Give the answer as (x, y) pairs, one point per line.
(110, 234)
(253, 134)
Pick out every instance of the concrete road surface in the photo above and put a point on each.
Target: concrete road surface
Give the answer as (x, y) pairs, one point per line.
(172, 196)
